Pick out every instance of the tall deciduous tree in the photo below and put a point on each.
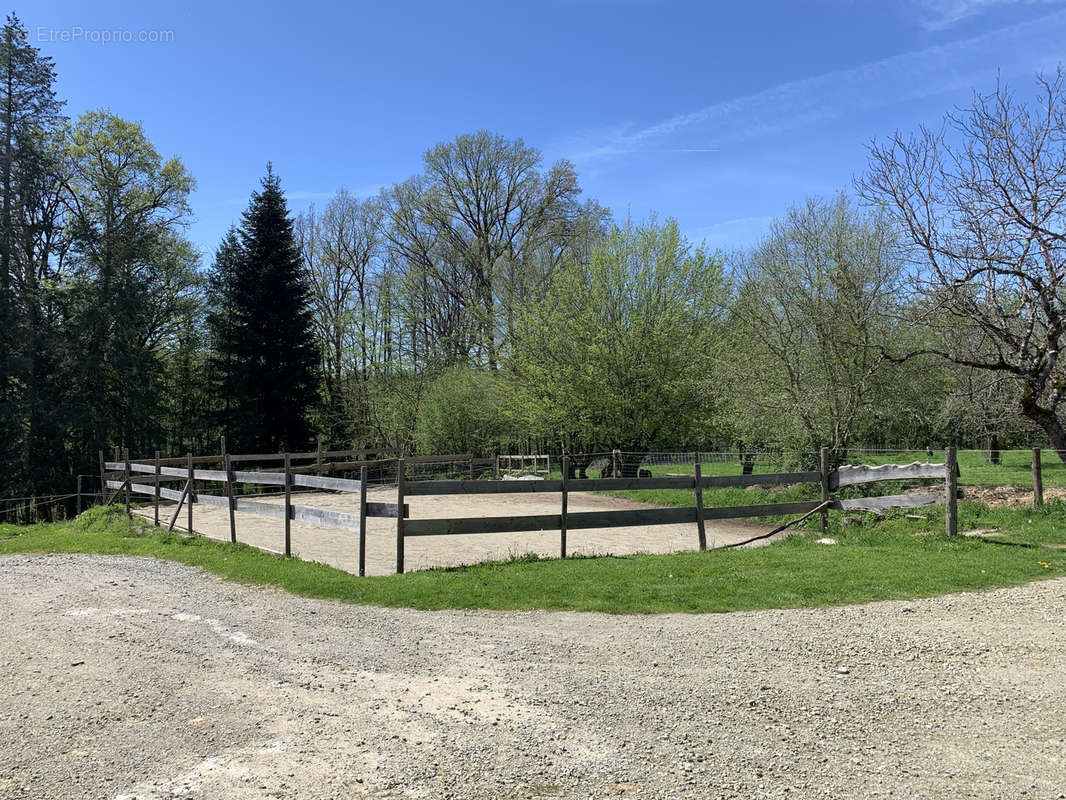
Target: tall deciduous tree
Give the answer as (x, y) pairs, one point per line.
(622, 350)
(475, 235)
(814, 302)
(270, 341)
(983, 203)
(133, 278)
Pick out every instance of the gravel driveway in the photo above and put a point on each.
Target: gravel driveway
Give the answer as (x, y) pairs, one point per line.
(137, 678)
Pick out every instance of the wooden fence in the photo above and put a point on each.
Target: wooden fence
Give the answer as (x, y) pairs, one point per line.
(565, 520)
(146, 476)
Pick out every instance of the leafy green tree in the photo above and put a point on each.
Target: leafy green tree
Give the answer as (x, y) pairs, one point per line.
(623, 350)
(474, 236)
(133, 278)
(267, 340)
(813, 303)
(464, 410)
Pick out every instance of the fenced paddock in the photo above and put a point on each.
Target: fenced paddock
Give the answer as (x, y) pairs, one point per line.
(445, 521)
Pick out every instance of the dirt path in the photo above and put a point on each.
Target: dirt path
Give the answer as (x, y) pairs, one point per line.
(135, 678)
(340, 548)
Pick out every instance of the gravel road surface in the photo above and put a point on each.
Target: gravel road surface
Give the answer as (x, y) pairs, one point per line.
(136, 678)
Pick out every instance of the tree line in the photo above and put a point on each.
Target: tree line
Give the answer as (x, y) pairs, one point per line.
(484, 303)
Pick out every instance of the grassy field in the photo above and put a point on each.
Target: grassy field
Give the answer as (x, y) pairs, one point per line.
(894, 557)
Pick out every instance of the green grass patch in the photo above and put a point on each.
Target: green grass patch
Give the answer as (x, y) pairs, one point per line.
(1015, 467)
(894, 557)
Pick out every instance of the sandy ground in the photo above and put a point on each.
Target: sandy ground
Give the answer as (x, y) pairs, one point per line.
(138, 679)
(1010, 496)
(340, 548)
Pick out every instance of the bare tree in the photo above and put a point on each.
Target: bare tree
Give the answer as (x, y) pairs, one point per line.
(983, 201)
(340, 250)
(812, 302)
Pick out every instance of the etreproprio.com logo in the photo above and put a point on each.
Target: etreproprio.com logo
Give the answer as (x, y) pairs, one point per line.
(76, 33)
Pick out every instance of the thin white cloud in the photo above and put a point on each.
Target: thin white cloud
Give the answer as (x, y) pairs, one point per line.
(1015, 50)
(938, 14)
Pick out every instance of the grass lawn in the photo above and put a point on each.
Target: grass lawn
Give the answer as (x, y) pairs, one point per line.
(894, 557)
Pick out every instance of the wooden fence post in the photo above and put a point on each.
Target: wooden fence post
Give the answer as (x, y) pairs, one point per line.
(79, 494)
(823, 472)
(362, 521)
(288, 505)
(399, 515)
(1038, 479)
(103, 480)
(126, 463)
(158, 473)
(471, 466)
(495, 466)
(192, 493)
(701, 528)
(566, 501)
(951, 488)
(227, 466)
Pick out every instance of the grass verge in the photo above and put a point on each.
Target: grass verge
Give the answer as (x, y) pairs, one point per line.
(895, 557)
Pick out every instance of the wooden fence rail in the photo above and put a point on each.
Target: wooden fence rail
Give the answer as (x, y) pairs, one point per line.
(566, 521)
(119, 475)
(145, 476)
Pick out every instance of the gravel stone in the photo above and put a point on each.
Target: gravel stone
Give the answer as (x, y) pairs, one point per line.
(193, 687)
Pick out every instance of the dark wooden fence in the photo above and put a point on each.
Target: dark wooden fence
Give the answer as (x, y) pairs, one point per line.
(146, 476)
(565, 520)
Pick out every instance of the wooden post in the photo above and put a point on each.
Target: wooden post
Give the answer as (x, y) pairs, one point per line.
(495, 466)
(158, 472)
(227, 465)
(562, 518)
(288, 506)
(1038, 479)
(103, 480)
(126, 464)
(192, 493)
(79, 494)
(471, 466)
(318, 457)
(399, 515)
(701, 528)
(362, 521)
(951, 488)
(823, 474)
(177, 508)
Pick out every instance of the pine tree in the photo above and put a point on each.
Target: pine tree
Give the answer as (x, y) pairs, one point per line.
(224, 333)
(29, 111)
(268, 340)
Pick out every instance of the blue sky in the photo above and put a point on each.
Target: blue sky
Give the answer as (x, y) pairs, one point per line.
(721, 115)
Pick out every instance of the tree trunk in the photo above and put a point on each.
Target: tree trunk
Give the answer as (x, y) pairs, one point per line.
(993, 450)
(1048, 421)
